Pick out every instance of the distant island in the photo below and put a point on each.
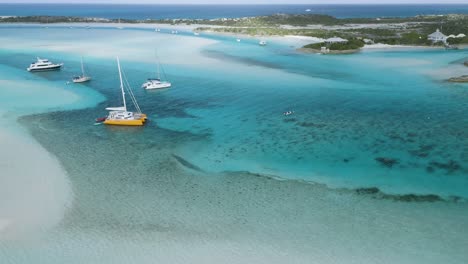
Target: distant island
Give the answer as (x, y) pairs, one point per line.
(335, 46)
(334, 35)
(461, 79)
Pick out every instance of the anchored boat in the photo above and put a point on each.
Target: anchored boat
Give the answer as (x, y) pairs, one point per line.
(43, 65)
(82, 78)
(156, 83)
(120, 116)
(119, 25)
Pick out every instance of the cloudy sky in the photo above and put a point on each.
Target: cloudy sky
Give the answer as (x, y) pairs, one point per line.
(244, 1)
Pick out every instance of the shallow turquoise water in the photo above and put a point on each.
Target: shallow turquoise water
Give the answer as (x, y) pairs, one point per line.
(349, 110)
(153, 190)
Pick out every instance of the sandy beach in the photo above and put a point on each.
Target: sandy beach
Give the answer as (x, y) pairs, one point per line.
(34, 188)
(292, 40)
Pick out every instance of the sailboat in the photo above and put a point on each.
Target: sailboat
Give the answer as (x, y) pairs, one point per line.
(156, 83)
(47, 23)
(120, 116)
(119, 26)
(82, 78)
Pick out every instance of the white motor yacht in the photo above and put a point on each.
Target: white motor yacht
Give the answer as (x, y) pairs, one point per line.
(43, 65)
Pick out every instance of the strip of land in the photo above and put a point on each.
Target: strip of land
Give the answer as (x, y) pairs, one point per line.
(392, 31)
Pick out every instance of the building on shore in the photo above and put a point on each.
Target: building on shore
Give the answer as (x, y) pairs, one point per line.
(437, 37)
(324, 50)
(335, 40)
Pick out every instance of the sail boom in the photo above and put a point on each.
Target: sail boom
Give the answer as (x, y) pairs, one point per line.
(120, 108)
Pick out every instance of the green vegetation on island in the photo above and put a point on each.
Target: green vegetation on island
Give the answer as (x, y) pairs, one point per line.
(385, 30)
(51, 19)
(352, 44)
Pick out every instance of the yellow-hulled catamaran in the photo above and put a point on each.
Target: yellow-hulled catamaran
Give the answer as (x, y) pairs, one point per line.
(119, 116)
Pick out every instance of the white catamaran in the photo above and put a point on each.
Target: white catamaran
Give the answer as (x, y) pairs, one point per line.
(82, 78)
(156, 83)
(120, 116)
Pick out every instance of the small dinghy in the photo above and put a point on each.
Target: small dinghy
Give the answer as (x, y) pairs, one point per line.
(101, 119)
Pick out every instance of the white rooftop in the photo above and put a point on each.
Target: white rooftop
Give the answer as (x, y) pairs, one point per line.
(336, 39)
(437, 35)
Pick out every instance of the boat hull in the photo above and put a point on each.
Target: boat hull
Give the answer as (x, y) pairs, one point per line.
(116, 122)
(55, 68)
(82, 80)
(154, 87)
(127, 122)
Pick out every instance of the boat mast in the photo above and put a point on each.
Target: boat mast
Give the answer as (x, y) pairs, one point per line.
(82, 67)
(159, 74)
(121, 85)
(157, 65)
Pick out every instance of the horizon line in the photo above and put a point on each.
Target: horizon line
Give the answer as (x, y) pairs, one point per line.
(106, 3)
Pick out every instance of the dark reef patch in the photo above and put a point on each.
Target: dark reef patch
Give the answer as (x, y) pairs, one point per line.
(394, 136)
(423, 151)
(387, 162)
(187, 164)
(451, 166)
(430, 169)
(378, 194)
(289, 120)
(372, 190)
(310, 124)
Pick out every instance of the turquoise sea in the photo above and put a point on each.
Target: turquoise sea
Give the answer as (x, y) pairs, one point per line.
(219, 174)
